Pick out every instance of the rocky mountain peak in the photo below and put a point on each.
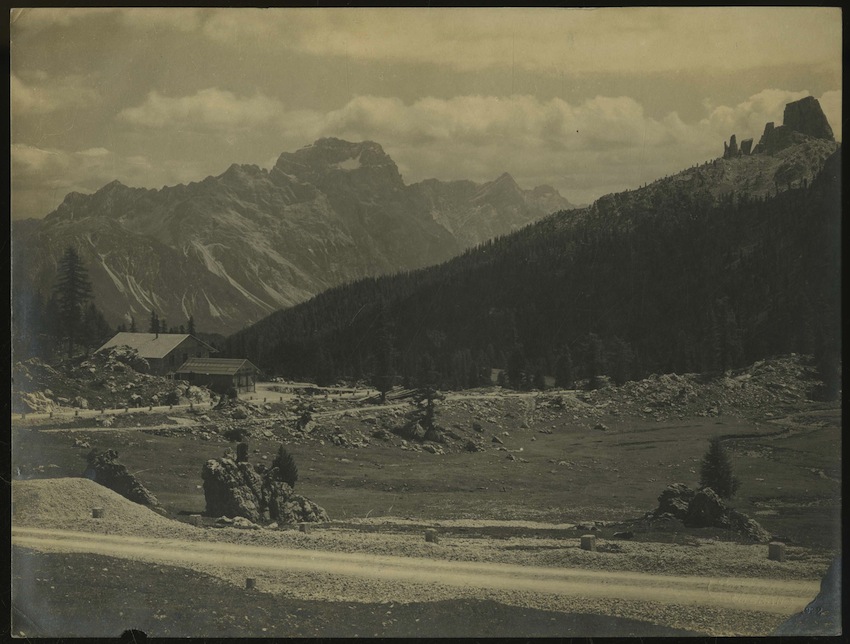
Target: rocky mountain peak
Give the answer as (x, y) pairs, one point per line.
(807, 117)
(801, 120)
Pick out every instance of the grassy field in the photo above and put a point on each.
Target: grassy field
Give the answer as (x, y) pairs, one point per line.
(790, 468)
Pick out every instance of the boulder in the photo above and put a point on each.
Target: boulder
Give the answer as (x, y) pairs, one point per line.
(232, 489)
(287, 507)
(705, 510)
(240, 489)
(674, 500)
(104, 468)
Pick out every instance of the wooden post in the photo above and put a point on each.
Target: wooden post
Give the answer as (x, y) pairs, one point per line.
(126, 409)
(97, 513)
(264, 399)
(150, 407)
(304, 527)
(51, 414)
(102, 410)
(776, 551)
(431, 536)
(171, 406)
(76, 412)
(191, 405)
(588, 542)
(250, 583)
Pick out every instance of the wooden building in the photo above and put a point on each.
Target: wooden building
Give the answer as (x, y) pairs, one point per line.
(165, 352)
(220, 374)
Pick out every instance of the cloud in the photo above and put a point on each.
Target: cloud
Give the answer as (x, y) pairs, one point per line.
(210, 108)
(585, 149)
(619, 40)
(177, 18)
(624, 40)
(44, 94)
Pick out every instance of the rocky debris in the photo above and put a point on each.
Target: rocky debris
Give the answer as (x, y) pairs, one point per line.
(823, 614)
(244, 524)
(705, 509)
(766, 384)
(287, 507)
(110, 379)
(103, 468)
(674, 500)
(81, 443)
(626, 534)
(241, 489)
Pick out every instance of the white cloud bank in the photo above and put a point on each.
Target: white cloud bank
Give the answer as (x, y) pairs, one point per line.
(585, 150)
(210, 108)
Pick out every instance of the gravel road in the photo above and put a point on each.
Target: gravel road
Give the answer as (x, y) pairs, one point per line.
(771, 596)
(715, 588)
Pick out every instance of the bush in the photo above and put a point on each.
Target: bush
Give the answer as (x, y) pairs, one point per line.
(716, 471)
(287, 471)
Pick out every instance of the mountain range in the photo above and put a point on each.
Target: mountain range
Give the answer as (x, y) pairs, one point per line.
(231, 249)
(712, 268)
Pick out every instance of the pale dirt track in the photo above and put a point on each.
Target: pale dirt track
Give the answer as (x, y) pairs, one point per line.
(778, 597)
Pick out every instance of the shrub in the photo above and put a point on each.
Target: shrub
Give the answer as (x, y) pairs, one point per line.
(287, 471)
(716, 470)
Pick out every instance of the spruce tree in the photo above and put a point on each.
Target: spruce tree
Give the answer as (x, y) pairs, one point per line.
(73, 290)
(287, 471)
(716, 470)
(190, 326)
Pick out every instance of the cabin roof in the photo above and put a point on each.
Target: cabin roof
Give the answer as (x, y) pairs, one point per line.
(151, 345)
(217, 366)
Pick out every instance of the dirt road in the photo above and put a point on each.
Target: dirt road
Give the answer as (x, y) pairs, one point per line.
(762, 595)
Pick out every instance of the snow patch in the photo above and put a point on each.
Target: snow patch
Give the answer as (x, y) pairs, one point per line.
(349, 164)
(115, 279)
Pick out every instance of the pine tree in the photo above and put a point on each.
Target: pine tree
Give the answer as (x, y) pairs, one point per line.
(153, 327)
(564, 377)
(190, 326)
(132, 324)
(287, 471)
(716, 470)
(73, 290)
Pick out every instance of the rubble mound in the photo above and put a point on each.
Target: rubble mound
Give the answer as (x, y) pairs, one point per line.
(105, 469)
(771, 384)
(238, 489)
(109, 379)
(705, 509)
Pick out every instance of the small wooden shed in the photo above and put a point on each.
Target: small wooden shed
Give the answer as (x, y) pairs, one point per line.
(220, 374)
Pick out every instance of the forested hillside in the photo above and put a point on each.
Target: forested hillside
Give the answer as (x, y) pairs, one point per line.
(665, 278)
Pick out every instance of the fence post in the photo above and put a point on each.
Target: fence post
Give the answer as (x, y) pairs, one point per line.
(588, 542)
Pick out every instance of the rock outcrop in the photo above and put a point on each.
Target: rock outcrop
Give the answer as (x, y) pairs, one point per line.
(802, 119)
(807, 117)
(237, 489)
(103, 468)
(705, 509)
(823, 614)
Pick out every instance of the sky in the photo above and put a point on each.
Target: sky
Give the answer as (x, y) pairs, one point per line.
(589, 101)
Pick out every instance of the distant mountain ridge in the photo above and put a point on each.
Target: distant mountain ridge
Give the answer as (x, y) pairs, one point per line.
(712, 268)
(233, 248)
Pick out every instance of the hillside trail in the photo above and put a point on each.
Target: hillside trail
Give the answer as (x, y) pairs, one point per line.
(778, 597)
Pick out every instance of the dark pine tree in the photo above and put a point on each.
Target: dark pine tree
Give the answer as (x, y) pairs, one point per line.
(73, 290)
(153, 326)
(716, 470)
(190, 326)
(287, 471)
